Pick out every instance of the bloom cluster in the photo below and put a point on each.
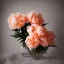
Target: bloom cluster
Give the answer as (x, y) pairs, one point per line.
(38, 34)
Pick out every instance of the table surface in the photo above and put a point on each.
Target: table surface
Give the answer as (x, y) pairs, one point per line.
(17, 58)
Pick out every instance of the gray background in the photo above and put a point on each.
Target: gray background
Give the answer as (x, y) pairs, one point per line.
(53, 13)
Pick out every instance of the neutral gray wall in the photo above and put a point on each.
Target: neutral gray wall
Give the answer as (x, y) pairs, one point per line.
(53, 13)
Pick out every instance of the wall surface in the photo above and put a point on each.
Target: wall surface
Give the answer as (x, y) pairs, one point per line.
(53, 13)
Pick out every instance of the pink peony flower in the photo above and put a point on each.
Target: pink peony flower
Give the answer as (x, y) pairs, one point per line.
(41, 31)
(50, 37)
(16, 21)
(32, 29)
(35, 18)
(32, 41)
(36, 29)
(43, 41)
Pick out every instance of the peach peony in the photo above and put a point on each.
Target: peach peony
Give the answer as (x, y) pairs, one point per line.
(32, 29)
(35, 18)
(32, 41)
(50, 36)
(16, 21)
(41, 31)
(43, 41)
(36, 29)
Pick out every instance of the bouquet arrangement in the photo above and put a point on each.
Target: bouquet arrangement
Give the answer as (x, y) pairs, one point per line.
(31, 31)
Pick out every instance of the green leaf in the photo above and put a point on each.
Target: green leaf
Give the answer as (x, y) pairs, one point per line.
(12, 35)
(15, 30)
(19, 39)
(52, 45)
(45, 24)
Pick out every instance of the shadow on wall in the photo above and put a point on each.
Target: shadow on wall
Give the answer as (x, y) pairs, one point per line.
(59, 29)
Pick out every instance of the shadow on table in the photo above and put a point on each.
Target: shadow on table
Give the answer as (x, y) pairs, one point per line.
(53, 58)
(19, 57)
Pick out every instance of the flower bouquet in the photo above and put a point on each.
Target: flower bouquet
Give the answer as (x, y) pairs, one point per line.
(31, 31)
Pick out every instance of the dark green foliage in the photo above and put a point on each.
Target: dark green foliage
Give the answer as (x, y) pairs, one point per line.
(38, 50)
(45, 24)
(21, 33)
(52, 45)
